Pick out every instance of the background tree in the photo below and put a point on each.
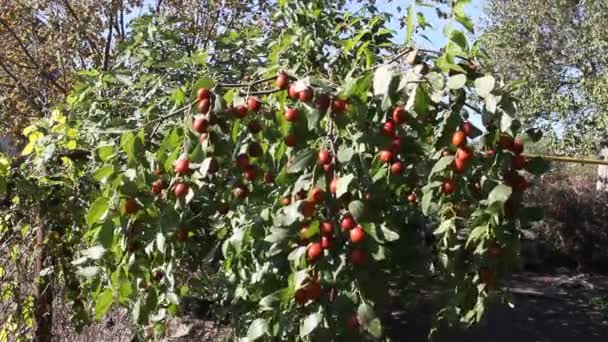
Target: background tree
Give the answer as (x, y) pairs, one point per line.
(559, 49)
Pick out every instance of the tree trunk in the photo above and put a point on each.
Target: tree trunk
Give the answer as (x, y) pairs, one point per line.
(43, 313)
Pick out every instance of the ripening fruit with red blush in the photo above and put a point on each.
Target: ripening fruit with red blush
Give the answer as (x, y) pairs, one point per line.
(518, 162)
(459, 165)
(506, 141)
(306, 95)
(386, 156)
(399, 115)
(412, 198)
(324, 157)
(268, 178)
(254, 149)
(326, 242)
(204, 105)
(314, 252)
(467, 128)
(282, 80)
(322, 102)
(301, 297)
(333, 185)
(213, 166)
(328, 167)
(254, 127)
(445, 153)
(131, 206)
(180, 190)
(242, 161)
(459, 138)
(397, 168)
(291, 140)
(348, 222)
(158, 172)
(308, 209)
(253, 104)
(388, 128)
(241, 111)
(397, 143)
(250, 173)
(157, 187)
(291, 114)
(490, 153)
(182, 167)
(327, 228)
(358, 257)
(240, 192)
(293, 93)
(464, 153)
(313, 290)
(203, 94)
(201, 125)
(317, 195)
(338, 106)
(448, 186)
(357, 234)
(353, 321)
(286, 201)
(518, 146)
(181, 234)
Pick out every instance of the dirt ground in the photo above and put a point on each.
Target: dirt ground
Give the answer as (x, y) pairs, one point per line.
(548, 308)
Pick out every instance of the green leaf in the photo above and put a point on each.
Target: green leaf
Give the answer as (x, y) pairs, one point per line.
(537, 166)
(442, 164)
(381, 233)
(103, 303)
(476, 234)
(343, 183)
(103, 173)
(301, 161)
(411, 12)
(382, 81)
(365, 313)
(132, 145)
(500, 194)
(425, 203)
(278, 235)
(357, 209)
(106, 234)
(98, 210)
(94, 253)
(310, 323)
(345, 154)
(445, 226)
(105, 152)
(485, 85)
(374, 327)
(457, 81)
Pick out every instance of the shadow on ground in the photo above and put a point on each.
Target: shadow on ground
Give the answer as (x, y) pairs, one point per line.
(548, 308)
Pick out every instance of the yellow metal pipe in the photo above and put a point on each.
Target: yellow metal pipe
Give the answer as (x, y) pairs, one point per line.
(569, 159)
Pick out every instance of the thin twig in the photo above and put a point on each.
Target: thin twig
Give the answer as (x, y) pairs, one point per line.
(28, 54)
(261, 92)
(392, 60)
(245, 85)
(473, 108)
(106, 53)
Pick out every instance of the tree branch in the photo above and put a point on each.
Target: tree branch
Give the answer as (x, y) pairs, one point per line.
(106, 53)
(32, 102)
(89, 41)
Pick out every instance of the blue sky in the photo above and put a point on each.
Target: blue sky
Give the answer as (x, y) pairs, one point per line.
(474, 10)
